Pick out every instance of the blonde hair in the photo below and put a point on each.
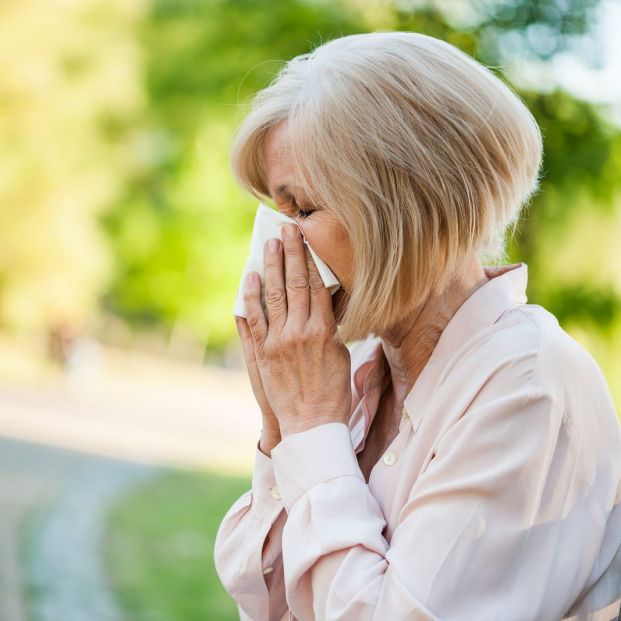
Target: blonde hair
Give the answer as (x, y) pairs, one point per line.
(419, 151)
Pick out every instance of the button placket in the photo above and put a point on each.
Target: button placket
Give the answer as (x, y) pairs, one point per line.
(406, 421)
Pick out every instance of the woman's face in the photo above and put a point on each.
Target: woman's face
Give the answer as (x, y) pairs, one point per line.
(321, 229)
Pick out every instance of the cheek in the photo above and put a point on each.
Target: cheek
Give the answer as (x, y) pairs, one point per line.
(332, 245)
(317, 237)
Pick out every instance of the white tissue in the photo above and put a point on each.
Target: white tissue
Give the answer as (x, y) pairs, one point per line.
(267, 224)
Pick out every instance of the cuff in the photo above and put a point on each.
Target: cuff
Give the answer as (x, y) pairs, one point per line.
(263, 480)
(305, 459)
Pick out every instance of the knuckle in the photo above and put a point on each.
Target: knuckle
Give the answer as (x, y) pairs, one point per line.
(315, 281)
(274, 296)
(290, 338)
(272, 348)
(297, 283)
(253, 321)
(291, 249)
(307, 339)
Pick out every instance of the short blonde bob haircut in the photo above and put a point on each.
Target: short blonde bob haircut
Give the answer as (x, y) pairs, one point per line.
(420, 152)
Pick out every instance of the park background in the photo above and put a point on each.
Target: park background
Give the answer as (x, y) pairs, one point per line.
(127, 423)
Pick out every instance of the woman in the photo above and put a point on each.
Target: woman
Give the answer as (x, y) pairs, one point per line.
(433, 447)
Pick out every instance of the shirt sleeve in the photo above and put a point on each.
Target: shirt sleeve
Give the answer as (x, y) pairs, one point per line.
(496, 527)
(248, 547)
(249, 538)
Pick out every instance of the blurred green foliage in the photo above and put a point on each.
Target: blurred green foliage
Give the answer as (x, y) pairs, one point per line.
(116, 197)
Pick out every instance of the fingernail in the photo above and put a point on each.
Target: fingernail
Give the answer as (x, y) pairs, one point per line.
(250, 278)
(291, 230)
(272, 245)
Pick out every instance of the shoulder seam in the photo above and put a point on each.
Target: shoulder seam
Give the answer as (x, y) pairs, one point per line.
(539, 342)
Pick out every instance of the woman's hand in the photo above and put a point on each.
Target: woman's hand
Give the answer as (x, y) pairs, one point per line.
(305, 376)
(270, 432)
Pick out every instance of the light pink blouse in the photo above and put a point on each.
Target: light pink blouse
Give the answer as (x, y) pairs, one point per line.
(500, 497)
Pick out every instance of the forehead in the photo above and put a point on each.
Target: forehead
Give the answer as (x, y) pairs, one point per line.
(277, 142)
(277, 155)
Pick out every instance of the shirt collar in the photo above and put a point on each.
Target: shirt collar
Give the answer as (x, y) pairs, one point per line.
(505, 288)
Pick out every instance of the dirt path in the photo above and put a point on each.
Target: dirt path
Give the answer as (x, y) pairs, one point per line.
(53, 508)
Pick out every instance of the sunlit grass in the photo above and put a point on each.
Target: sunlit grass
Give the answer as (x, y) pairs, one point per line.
(159, 549)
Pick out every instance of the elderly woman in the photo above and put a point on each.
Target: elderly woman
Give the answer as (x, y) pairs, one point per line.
(433, 447)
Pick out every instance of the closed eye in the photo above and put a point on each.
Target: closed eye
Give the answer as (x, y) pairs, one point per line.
(302, 213)
(295, 210)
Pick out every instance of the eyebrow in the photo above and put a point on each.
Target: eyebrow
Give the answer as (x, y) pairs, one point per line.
(282, 190)
(285, 190)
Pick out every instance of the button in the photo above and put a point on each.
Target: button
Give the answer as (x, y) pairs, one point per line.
(404, 414)
(268, 570)
(275, 493)
(389, 458)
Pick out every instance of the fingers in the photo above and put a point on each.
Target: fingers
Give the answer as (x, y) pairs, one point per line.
(246, 340)
(320, 298)
(275, 296)
(256, 317)
(253, 372)
(296, 276)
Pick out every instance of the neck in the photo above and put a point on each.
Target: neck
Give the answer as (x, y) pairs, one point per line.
(409, 344)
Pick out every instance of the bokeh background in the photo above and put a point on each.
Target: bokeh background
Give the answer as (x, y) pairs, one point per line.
(127, 423)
